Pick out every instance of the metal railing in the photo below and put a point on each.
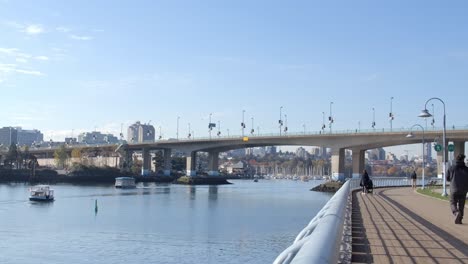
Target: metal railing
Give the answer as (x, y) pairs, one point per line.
(320, 240)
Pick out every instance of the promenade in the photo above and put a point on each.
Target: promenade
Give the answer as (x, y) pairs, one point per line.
(398, 225)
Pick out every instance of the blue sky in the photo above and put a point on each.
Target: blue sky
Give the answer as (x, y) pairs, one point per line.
(79, 65)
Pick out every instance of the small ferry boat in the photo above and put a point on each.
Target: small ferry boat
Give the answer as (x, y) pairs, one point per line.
(125, 182)
(41, 193)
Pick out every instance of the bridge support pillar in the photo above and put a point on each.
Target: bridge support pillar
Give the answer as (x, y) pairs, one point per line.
(191, 164)
(146, 168)
(337, 164)
(358, 162)
(167, 162)
(213, 162)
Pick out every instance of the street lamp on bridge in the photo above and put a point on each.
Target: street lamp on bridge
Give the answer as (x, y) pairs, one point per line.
(177, 133)
(390, 115)
(189, 134)
(280, 121)
(252, 130)
(285, 124)
(243, 123)
(323, 122)
(425, 113)
(373, 118)
(330, 118)
(410, 135)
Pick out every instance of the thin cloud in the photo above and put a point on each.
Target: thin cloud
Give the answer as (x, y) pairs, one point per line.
(371, 77)
(21, 60)
(21, 56)
(33, 29)
(42, 58)
(8, 69)
(76, 37)
(63, 29)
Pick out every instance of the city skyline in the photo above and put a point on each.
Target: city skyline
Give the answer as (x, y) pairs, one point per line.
(177, 67)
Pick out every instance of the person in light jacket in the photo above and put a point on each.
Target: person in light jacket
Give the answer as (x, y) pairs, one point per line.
(457, 175)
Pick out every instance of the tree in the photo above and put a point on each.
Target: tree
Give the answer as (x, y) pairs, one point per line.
(158, 161)
(12, 155)
(76, 153)
(61, 156)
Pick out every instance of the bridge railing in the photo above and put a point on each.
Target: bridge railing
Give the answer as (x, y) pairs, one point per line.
(320, 241)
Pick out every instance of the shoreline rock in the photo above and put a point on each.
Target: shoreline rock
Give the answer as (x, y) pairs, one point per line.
(202, 180)
(331, 186)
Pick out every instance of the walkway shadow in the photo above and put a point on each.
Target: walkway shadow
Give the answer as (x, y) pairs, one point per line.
(361, 252)
(450, 239)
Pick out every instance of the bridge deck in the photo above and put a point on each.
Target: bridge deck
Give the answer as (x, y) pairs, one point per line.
(398, 225)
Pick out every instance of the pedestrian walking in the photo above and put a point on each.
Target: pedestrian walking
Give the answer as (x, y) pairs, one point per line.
(413, 179)
(457, 175)
(364, 181)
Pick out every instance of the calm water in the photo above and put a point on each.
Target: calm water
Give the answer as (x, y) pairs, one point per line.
(245, 222)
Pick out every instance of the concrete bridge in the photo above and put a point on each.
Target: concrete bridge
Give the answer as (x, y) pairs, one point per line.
(356, 141)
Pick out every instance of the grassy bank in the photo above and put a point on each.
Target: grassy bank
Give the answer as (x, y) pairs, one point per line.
(433, 191)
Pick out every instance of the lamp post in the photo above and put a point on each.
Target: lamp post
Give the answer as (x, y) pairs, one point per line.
(285, 124)
(373, 118)
(252, 130)
(330, 118)
(304, 126)
(209, 126)
(177, 133)
(425, 113)
(160, 134)
(189, 135)
(280, 121)
(243, 124)
(410, 135)
(433, 117)
(390, 116)
(219, 129)
(323, 122)
(228, 132)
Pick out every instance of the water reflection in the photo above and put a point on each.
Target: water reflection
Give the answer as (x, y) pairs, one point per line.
(193, 191)
(213, 192)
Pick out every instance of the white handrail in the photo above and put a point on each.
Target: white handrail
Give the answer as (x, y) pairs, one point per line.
(320, 240)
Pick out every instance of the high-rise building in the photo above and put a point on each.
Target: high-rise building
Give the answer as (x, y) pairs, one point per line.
(270, 150)
(428, 151)
(96, 137)
(138, 133)
(8, 136)
(28, 137)
(301, 153)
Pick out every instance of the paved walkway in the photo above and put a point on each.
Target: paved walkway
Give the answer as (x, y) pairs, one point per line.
(398, 225)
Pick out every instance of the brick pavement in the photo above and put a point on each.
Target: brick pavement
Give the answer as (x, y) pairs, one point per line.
(398, 225)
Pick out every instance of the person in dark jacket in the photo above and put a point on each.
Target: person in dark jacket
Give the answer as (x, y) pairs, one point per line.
(413, 179)
(364, 181)
(458, 176)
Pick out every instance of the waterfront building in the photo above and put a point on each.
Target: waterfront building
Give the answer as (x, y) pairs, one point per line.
(8, 136)
(428, 151)
(301, 153)
(28, 137)
(270, 150)
(96, 137)
(376, 154)
(138, 133)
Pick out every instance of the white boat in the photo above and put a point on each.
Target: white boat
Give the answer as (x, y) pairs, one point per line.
(125, 182)
(41, 193)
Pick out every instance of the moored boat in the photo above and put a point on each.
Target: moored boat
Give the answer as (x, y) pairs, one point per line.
(125, 182)
(41, 193)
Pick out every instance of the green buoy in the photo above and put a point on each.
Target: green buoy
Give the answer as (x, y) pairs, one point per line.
(95, 206)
